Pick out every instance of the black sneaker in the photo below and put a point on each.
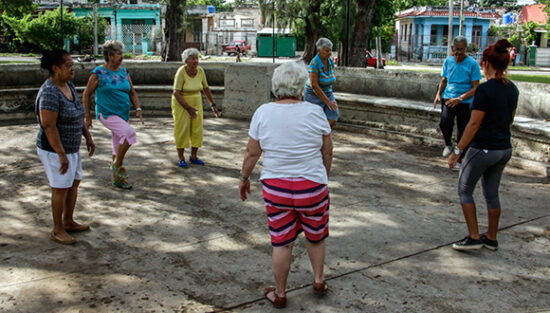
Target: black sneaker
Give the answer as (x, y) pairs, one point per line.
(488, 243)
(468, 244)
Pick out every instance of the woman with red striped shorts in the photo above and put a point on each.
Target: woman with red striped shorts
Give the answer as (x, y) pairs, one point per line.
(294, 137)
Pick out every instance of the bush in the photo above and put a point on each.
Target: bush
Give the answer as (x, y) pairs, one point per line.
(85, 33)
(45, 30)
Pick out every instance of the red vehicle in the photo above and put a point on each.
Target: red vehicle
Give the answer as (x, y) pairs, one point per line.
(371, 60)
(237, 45)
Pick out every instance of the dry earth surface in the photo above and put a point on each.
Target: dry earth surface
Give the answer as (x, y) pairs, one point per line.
(182, 241)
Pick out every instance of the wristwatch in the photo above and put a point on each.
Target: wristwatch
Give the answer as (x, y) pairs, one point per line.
(138, 109)
(457, 151)
(460, 98)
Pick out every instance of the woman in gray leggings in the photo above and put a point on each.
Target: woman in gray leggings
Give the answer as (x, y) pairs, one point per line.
(488, 136)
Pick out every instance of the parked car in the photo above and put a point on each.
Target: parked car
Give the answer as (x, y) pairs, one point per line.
(232, 47)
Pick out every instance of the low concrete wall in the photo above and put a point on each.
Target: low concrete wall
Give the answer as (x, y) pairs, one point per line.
(379, 102)
(418, 86)
(19, 85)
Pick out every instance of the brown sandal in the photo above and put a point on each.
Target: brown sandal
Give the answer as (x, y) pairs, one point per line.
(320, 288)
(278, 302)
(67, 241)
(75, 229)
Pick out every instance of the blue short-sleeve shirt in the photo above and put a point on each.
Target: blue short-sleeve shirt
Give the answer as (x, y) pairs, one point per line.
(326, 75)
(460, 76)
(112, 96)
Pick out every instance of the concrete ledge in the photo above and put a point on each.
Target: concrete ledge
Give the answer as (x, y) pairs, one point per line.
(18, 104)
(418, 121)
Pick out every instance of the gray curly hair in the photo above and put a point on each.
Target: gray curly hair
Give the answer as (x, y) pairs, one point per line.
(110, 47)
(289, 79)
(189, 52)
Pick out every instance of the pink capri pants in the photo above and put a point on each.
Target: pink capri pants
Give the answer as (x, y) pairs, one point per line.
(120, 129)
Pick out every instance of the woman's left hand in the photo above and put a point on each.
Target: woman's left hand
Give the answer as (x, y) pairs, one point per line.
(453, 158)
(215, 110)
(138, 114)
(90, 145)
(452, 102)
(333, 106)
(244, 189)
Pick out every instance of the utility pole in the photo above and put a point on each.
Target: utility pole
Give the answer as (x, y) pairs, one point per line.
(346, 41)
(95, 29)
(61, 14)
(273, 28)
(450, 35)
(461, 17)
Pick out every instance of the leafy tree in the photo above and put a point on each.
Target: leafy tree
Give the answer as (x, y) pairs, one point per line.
(361, 34)
(529, 33)
(85, 34)
(400, 5)
(174, 31)
(44, 30)
(17, 8)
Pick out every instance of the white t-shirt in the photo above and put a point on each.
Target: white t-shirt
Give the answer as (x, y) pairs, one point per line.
(291, 137)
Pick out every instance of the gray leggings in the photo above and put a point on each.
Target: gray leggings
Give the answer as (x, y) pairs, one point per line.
(487, 165)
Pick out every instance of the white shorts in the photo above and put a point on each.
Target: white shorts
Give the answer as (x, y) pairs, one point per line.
(52, 165)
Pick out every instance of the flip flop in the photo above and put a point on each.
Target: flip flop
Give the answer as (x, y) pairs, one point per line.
(278, 302)
(320, 288)
(68, 241)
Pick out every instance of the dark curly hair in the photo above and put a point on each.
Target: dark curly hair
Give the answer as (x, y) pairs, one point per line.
(51, 58)
(498, 57)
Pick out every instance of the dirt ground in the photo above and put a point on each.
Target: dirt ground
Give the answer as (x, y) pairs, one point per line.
(182, 241)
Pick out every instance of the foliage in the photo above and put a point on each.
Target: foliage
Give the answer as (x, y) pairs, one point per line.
(85, 33)
(17, 8)
(529, 33)
(406, 4)
(45, 30)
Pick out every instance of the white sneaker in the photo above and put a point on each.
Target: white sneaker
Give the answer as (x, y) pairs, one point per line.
(447, 151)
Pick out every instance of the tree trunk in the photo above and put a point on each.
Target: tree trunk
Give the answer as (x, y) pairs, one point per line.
(361, 31)
(313, 29)
(174, 32)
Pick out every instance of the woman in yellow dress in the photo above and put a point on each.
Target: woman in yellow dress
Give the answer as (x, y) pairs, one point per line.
(187, 106)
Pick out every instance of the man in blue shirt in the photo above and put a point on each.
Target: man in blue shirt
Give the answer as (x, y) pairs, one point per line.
(459, 79)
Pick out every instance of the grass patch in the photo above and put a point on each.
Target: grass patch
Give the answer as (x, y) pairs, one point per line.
(525, 68)
(12, 62)
(541, 79)
(392, 62)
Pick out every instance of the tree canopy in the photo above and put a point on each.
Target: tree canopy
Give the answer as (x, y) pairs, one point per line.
(45, 30)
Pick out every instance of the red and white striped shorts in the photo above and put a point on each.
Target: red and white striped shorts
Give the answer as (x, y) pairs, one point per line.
(294, 205)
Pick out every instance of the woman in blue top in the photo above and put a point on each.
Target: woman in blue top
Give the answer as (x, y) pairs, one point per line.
(321, 79)
(488, 135)
(459, 80)
(113, 93)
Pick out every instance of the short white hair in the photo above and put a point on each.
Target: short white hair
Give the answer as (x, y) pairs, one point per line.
(110, 47)
(323, 42)
(289, 79)
(189, 52)
(460, 38)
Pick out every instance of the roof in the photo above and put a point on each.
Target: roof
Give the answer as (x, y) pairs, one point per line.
(534, 13)
(486, 13)
(269, 30)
